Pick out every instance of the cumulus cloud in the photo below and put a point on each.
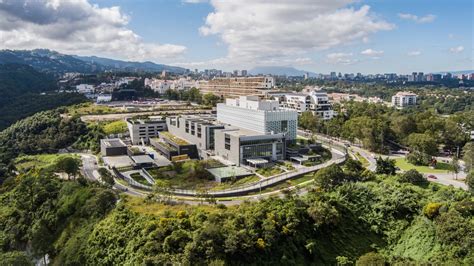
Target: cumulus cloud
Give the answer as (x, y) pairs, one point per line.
(77, 27)
(371, 52)
(414, 53)
(457, 49)
(424, 19)
(259, 30)
(340, 59)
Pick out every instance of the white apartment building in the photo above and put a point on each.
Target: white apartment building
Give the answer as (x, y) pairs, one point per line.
(261, 116)
(85, 88)
(316, 101)
(403, 99)
(158, 85)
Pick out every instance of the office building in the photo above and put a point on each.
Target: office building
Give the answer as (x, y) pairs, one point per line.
(403, 99)
(141, 130)
(261, 116)
(112, 147)
(236, 86)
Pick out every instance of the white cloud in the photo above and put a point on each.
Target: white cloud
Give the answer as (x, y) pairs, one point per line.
(425, 19)
(257, 30)
(75, 27)
(414, 53)
(341, 58)
(457, 49)
(371, 52)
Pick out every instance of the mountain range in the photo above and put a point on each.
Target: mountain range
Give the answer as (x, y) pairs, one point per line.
(54, 62)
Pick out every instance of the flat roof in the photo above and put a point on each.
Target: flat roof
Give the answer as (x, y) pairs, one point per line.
(118, 161)
(257, 161)
(229, 171)
(142, 159)
(113, 142)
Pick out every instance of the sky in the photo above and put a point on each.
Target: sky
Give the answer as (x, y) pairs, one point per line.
(349, 36)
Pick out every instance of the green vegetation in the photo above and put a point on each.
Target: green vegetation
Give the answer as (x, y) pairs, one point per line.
(115, 127)
(441, 168)
(140, 179)
(90, 109)
(190, 174)
(40, 162)
(237, 183)
(270, 171)
(173, 138)
(25, 91)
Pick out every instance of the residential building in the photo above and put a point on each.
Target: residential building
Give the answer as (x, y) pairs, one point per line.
(112, 147)
(261, 116)
(141, 130)
(158, 85)
(316, 101)
(102, 98)
(85, 88)
(236, 86)
(403, 99)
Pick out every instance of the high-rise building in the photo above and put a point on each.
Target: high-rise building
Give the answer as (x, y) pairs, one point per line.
(236, 86)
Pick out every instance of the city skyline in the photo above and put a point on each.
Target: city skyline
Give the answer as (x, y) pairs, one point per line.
(318, 36)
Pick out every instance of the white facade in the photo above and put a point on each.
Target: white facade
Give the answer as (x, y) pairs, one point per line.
(85, 88)
(102, 98)
(262, 116)
(314, 101)
(403, 99)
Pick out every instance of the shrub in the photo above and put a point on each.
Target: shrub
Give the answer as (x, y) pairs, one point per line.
(372, 259)
(431, 210)
(412, 176)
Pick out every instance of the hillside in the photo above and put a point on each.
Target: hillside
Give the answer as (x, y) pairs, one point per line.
(53, 62)
(26, 91)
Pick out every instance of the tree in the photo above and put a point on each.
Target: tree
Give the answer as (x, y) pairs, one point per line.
(106, 177)
(413, 176)
(470, 181)
(385, 166)
(372, 259)
(353, 169)
(308, 120)
(69, 165)
(210, 99)
(468, 156)
(423, 143)
(455, 167)
(330, 177)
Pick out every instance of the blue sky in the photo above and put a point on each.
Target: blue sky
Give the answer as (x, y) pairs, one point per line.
(315, 35)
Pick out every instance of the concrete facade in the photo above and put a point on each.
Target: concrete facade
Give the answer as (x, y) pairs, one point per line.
(112, 147)
(141, 130)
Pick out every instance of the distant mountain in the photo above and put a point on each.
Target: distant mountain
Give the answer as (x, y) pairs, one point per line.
(53, 62)
(457, 72)
(279, 71)
(130, 66)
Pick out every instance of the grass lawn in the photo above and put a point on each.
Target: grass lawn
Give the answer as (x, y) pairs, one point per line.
(90, 109)
(239, 182)
(39, 161)
(365, 162)
(185, 178)
(441, 168)
(114, 127)
(140, 179)
(271, 171)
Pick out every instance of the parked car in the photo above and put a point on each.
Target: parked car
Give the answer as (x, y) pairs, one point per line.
(432, 177)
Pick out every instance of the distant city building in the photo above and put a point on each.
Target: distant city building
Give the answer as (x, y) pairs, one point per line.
(141, 130)
(306, 75)
(404, 99)
(236, 86)
(316, 101)
(102, 98)
(85, 88)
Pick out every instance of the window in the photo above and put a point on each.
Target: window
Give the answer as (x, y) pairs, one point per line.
(284, 126)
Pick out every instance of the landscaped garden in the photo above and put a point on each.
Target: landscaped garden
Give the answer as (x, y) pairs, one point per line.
(39, 161)
(140, 179)
(270, 171)
(441, 168)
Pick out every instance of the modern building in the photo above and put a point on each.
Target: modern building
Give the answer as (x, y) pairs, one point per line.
(199, 130)
(261, 116)
(247, 147)
(141, 130)
(403, 99)
(236, 86)
(316, 101)
(113, 147)
(173, 147)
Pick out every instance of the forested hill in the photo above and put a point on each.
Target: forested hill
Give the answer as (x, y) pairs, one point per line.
(25, 91)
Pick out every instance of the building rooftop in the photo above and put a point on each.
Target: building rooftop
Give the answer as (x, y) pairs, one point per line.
(173, 138)
(113, 142)
(142, 159)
